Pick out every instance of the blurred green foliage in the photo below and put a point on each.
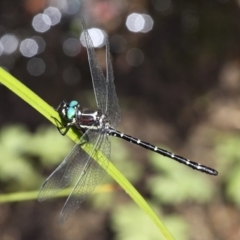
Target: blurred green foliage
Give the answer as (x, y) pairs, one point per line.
(130, 224)
(227, 150)
(174, 183)
(23, 153)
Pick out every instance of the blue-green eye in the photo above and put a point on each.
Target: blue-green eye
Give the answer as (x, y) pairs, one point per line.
(71, 112)
(73, 103)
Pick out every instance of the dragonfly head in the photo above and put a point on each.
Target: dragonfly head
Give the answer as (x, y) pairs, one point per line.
(70, 110)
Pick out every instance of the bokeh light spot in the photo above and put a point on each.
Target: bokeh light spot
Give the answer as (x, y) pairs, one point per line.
(162, 5)
(36, 66)
(54, 14)
(40, 42)
(148, 23)
(137, 22)
(41, 23)
(71, 7)
(135, 57)
(190, 21)
(71, 47)
(9, 43)
(29, 47)
(97, 37)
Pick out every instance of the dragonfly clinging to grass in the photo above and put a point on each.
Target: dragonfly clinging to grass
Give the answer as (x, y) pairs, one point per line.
(96, 127)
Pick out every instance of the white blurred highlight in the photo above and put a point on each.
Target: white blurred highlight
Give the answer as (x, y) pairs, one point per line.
(137, 22)
(28, 47)
(97, 36)
(9, 43)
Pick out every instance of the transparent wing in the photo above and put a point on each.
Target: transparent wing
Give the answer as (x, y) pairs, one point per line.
(67, 171)
(113, 109)
(98, 79)
(91, 175)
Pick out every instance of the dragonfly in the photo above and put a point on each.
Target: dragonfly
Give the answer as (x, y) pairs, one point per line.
(96, 126)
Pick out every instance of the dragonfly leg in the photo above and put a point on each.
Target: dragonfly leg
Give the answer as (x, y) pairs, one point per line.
(61, 105)
(62, 128)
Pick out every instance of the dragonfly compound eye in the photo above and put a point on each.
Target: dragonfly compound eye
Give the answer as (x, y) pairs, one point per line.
(71, 113)
(73, 104)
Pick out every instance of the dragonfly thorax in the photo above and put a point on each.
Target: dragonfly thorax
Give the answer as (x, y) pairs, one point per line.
(91, 120)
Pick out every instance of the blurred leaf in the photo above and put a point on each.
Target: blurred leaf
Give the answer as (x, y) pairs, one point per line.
(233, 183)
(179, 226)
(105, 199)
(227, 149)
(18, 146)
(15, 168)
(129, 224)
(14, 138)
(49, 145)
(177, 183)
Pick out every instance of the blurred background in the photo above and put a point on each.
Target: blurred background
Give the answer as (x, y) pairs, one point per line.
(177, 76)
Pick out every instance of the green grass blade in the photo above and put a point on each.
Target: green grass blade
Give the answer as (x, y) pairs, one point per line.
(32, 195)
(36, 102)
(18, 197)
